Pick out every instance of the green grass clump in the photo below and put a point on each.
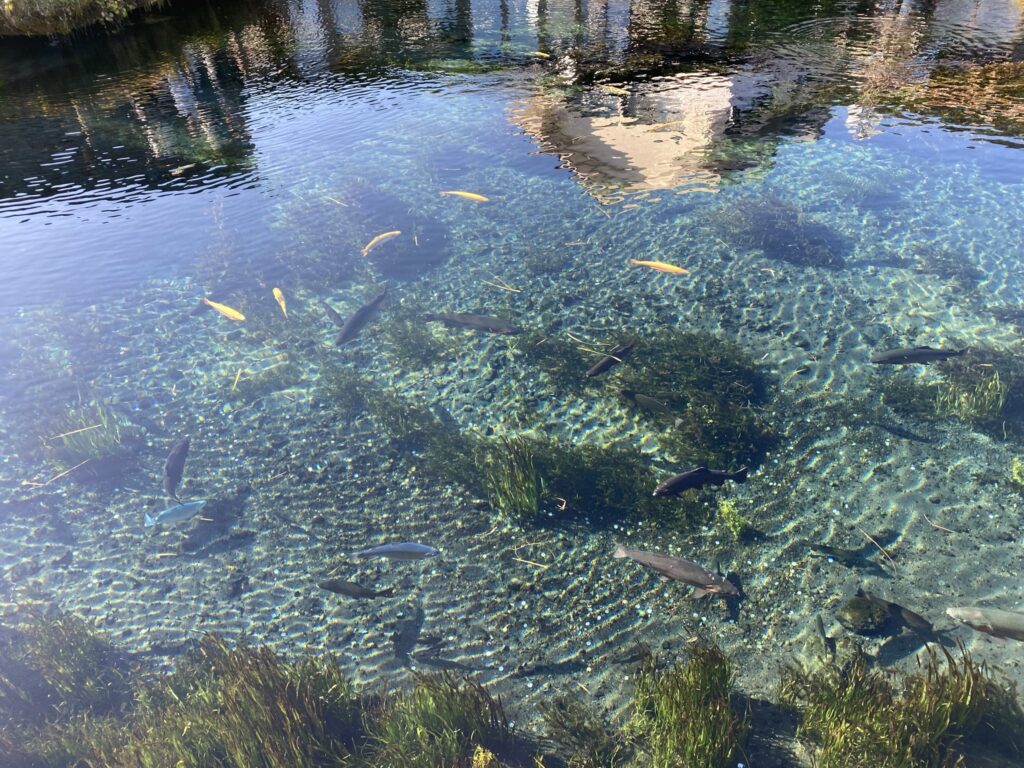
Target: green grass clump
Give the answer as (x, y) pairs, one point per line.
(440, 722)
(410, 341)
(56, 666)
(684, 715)
(1017, 471)
(61, 17)
(858, 717)
(513, 485)
(89, 432)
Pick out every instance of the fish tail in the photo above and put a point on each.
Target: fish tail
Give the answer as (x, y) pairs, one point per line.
(389, 592)
(620, 551)
(150, 520)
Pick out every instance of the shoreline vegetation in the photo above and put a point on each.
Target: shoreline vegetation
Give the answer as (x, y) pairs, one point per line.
(39, 18)
(68, 697)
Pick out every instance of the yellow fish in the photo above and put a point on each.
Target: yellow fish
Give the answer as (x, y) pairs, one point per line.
(279, 295)
(224, 309)
(466, 195)
(539, 54)
(384, 236)
(613, 89)
(660, 266)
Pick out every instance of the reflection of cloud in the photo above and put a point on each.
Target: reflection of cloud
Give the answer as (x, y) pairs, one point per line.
(659, 138)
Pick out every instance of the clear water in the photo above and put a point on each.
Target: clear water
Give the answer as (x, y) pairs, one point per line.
(821, 169)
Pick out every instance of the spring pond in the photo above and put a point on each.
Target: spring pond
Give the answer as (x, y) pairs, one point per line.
(838, 179)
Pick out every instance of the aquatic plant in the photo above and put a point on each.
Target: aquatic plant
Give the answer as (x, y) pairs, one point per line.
(1017, 471)
(440, 722)
(859, 717)
(706, 392)
(981, 401)
(343, 387)
(511, 480)
(88, 431)
(781, 229)
(685, 716)
(580, 736)
(280, 372)
(57, 666)
(410, 342)
(559, 357)
(731, 518)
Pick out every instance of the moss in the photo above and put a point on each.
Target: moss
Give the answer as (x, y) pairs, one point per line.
(685, 715)
(1017, 472)
(857, 717)
(732, 519)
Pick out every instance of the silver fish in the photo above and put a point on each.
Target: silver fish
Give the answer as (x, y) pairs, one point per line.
(405, 550)
(991, 621)
(351, 327)
(676, 568)
(176, 513)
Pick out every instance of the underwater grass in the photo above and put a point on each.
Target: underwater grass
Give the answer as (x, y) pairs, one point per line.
(580, 736)
(440, 722)
(858, 717)
(684, 715)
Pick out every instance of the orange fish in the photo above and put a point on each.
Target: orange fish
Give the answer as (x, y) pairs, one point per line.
(279, 295)
(660, 266)
(465, 195)
(384, 236)
(228, 312)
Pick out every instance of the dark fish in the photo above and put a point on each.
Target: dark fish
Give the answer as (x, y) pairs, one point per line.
(901, 432)
(351, 327)
(332, 313)
(678, 569)
(612, 359)
(407, 633)
(351, 589)
(476, 322)
(174, 467)
(908, 355)
(645, 402)
(698, 478)
(903, 616)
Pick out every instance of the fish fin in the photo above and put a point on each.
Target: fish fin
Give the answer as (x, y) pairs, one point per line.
(702, 467)
(620, 551)
(389, 592)
(699, 592)
(963, 351)
(150, 520)
(740, 475)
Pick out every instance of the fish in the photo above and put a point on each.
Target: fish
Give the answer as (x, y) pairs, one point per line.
(909, 355)
(383, 237)
(476, 322)
(660, 266)
(181, 169)
(698, 478)
(405, 550)
(676, 568)
(407, 633)
(175, 514)
(991, 621)
(465, 195)
(174, 467)
(351, 589)
(612, 359)
(332, 314)
(539, 54)
(279, 296)
(350, 328)
(229, 312)
(613, 89)
(904, 616)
